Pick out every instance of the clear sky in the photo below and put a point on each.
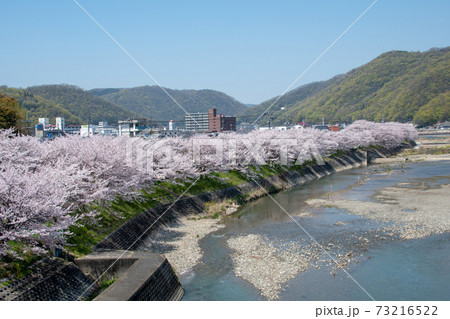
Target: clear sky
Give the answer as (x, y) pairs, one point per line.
(251, 50)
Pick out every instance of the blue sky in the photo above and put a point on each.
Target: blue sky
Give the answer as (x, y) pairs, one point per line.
(251, 50)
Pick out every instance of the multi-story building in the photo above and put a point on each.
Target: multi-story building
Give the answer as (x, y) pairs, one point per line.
(104, 128)
(246, 127)
(44, 121)
(72, 129)
(197, 122)
(209, 122)
(88, 130)
(132, 127)
(60, 123)
(46, 130)
(220, 123)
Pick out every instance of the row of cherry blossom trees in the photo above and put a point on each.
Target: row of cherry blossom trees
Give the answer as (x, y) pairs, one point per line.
(46, 186)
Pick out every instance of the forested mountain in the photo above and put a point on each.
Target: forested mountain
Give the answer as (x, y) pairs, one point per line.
(397, 86)
(303, 92)
(153, 103)
(81, 104)
(78, 106)
(36, 106)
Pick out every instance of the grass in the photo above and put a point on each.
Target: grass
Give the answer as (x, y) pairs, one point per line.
(10, 266)
(207, 183)
(428, 151)
(215, 209)
(232, 177)
(266, 171)
(213, 216)
(340, 153)
(105, 283)
(113, 215)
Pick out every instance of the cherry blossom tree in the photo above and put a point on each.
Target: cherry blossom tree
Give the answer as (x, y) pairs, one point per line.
(47, 186)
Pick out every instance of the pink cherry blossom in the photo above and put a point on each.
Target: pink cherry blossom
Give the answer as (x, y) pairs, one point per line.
(46, 186)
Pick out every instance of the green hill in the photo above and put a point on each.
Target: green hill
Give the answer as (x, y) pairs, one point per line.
(153, 103)
(36, 106)
(397, 86)
(81, 104)
(292, 97)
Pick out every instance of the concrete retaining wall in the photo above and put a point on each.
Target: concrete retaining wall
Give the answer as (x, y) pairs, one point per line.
(52, 279)
(140, 275)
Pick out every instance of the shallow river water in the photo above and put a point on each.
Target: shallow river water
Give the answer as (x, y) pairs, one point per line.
(387, 267)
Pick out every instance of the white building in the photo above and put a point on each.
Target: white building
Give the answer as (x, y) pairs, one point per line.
(44, 121)
(132, 127)
(60, 122)
(104, 128)
(247, 127)
(88, 130)
(72, 129)
(197, 122)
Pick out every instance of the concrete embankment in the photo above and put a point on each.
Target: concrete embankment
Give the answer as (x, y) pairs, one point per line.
(51, 279)
(135, 276)
(140, 276)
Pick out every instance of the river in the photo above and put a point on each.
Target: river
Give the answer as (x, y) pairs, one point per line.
(385, 265)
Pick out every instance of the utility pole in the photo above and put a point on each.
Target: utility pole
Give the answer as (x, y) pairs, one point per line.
(27, 127)
(270, 119)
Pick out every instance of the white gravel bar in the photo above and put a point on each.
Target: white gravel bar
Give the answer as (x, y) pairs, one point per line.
(413, 212)
(264, 266)
(179, 242)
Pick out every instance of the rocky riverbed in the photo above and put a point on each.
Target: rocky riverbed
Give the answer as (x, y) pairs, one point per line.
(265, 266)
(179, 242)
(408, 210)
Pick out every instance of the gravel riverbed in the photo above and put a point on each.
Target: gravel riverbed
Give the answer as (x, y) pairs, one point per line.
(409, 212)
(265, 266)
(179, 242)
